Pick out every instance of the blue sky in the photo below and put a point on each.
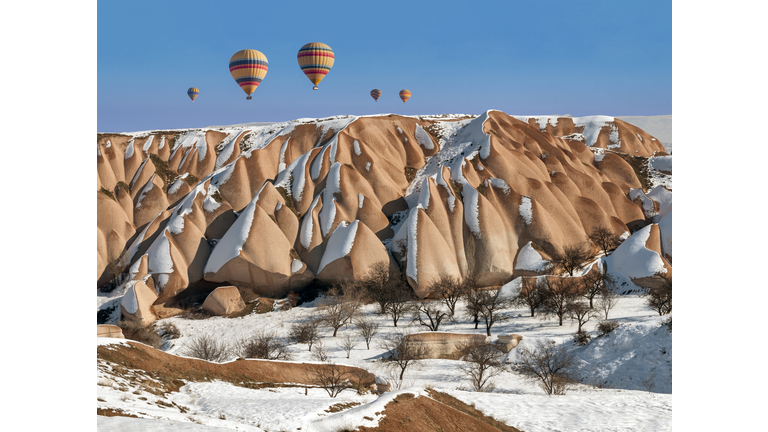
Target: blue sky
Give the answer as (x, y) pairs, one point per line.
(533, 57)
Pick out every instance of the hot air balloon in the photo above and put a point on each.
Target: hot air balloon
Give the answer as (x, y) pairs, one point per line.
(405, 95)
(192, 93)
(248, 67)
(315, 59)
(375, 93)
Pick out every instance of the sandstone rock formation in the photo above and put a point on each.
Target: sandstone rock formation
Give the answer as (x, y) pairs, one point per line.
(108, 330)
(508, 342)
(224, 301)
(269, 209)
(440, 345)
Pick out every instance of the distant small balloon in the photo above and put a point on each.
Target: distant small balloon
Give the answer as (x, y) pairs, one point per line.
(375, 94)
(316, 60)
(192, 93)
(405, 95)
(248, 67)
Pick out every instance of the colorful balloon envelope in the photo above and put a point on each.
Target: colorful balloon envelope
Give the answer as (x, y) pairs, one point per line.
(375, 94)
(248, 67)
(316, 60)
(192, 93)
(405, 95)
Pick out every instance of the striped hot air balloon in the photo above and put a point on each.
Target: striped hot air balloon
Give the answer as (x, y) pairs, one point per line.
(375, 94)
(316, 60)
(405, 95)
(248, 67)
(192, 93)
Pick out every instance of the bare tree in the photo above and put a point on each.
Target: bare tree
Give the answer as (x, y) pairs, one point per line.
(581, 312)
(450, 290)
(265, 346)
(429, 314)
(330, 377)
(560, 292)
(592, 284)
(489, 306)
(367, 329)
(305, 332)
(319, 352)
(378, 284)
(659, 298)
(608, 299)
(348, 343)
(533, 294)
(605, 238)
(403, 351)
(400, 295)
(481, 364)
(549, 364)
(572, 257)
(473, 298)
(336, 308)
(206, 347)
(649, 382)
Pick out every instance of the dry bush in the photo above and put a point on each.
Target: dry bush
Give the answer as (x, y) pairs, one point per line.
(367, 329)
(206, 347)
(489, 305)
(348, 343)
(581, 312)
(339, 306)
(549, 364)
(450, 290)
(660, 298)
(605, 238)
(560, 293)
(168, 331)
(319, 353)
(533, 294)
(608, 298)
(403, 351)
(429, 314)
(581, 338)
(265, 346)
(304, 332)
(605, 327)
(145, 334)
(572, 257)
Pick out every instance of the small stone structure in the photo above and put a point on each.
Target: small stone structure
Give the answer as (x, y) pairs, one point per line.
(508, 342)
(109, 330)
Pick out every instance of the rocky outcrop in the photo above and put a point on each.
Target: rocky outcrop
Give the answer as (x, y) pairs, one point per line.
(268, 209)
(508, 342)
(224, 301)
(110, 331)
(439, 345)
(137, 302)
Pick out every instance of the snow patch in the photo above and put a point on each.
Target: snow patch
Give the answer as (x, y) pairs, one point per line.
(339, 244)
(526, 210)
(530, 259)
(356, 147)
(423, 138)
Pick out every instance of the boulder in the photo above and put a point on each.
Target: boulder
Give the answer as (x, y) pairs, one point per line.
(109, 330)
(224, 301)
(450, 346)
(508, 342)
(137, 302)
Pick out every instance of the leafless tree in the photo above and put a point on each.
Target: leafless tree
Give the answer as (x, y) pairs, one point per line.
(472, 297)
(649, 382)
(330, 377)
(659, 298)
(450, 290)
(367, 329)
(605, 238)
(206, 347)
(348, 343)
(489, 305)
(429, 314)
(572, 257)
(532, 294)
(560, 292)
(581, 312)
(265, 346)
(338, 308)
(399, 297)
(481, 364)
(549, 364)
(319, 352)
(403, 351)
(378, 282)
(608, 299)
(592, 284)
(305, 332)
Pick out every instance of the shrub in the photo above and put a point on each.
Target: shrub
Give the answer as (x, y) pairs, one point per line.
(147, 335)
(265, 346)
(206, 347)
(304, 332)
(550, 364)
(605, 327)
(581, 338)
(168, 331)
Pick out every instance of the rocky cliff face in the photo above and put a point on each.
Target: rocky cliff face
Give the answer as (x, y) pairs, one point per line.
(271, 208)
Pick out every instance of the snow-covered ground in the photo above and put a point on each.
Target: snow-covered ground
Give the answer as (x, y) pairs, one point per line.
(641, 348)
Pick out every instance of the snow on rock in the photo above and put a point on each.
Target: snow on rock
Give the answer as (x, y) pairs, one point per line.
(227, 148)
(423, 138)
(368, 166)
(649, 209)
(307, 228)
(296, 265)
(499, 184)
(327, 214)
(541, 120)
(360, 199)
(472, 210)
(530, 259)
(575, 136)
(614, 137)
(599, 154)
(129, 149)
(661, 163)
(339, 244)
(663, 196)
(193, 139)
(356, 147)
(412, 270)
(232, 243)
(148, 144)
(633, 260)
(592, 126)
(526, 210)
(333, 180)
(129, 301)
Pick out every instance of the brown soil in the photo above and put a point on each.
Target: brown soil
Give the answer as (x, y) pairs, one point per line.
(170, 372)
(441, 413)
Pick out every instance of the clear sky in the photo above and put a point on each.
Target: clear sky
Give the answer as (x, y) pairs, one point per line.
(582, 57)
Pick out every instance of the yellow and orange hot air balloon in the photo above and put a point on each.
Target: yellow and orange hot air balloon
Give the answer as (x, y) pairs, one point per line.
(375, 94)
(405, 95)
(192, 93)
(316, 60)
(248, 67)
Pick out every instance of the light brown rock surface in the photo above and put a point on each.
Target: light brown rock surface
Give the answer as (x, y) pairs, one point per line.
(109, 330)
(440, 345)
(258, 207)
(224, 301)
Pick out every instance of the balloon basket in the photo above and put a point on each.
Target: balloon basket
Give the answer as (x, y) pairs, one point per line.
(249, 97)
(315, 88)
